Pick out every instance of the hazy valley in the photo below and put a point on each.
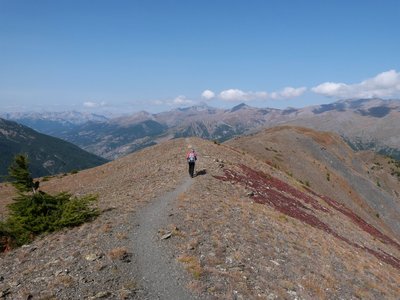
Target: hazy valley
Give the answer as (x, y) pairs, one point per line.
(47, 155)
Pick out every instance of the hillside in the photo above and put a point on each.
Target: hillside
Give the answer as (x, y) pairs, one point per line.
(325, 163)
(47, 155)
(244, 228)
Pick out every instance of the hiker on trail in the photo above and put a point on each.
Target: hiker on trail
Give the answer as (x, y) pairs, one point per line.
(191, 158)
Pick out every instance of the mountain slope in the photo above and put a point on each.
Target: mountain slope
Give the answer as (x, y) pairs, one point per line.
(325, 163)
(47, 155)
(245, 228)
(365, 123)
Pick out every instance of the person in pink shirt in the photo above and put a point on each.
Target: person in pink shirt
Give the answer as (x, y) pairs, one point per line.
(191, 158)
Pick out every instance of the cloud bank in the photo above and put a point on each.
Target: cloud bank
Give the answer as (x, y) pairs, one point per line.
(91, 104)
(181, 100)
(288, 93)
(237, 95)
(385, 84)
(178, 101)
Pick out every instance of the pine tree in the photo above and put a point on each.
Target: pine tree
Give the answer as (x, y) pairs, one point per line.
(34, 212)
(20, 175)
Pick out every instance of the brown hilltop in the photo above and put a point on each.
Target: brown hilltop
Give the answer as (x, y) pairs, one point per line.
(246, 228)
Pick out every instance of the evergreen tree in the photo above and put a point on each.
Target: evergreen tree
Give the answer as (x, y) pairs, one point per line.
(20, 175)
(34, 212)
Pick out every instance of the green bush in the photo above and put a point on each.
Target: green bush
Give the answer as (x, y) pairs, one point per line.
(34, 212)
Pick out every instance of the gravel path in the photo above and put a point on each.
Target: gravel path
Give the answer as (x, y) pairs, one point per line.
(159, 275)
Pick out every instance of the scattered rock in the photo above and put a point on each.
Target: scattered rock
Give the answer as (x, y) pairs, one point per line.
(229, 260)
(275, 262)
(250, 194)
(101, 267)
(101, 295)
(166, 236)
(92, 257)
(124, 294)
(292, 293)
(272, 296)
(5, 292)
(126, 257)
(237, 296)
(29, 247)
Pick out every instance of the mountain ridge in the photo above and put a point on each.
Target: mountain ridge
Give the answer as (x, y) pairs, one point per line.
(250, 225)
(364, 123)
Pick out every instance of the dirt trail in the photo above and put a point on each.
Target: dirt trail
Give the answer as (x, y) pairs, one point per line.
(159, 275)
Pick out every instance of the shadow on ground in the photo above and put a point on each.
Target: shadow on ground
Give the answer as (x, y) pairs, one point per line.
(201, 172)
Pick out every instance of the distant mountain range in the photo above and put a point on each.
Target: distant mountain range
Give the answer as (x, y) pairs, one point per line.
(47, 155)
(364, 123)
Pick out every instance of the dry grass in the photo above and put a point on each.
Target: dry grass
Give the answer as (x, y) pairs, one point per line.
(192, 264)
(117, 253)
(121, 235)
(107, 228)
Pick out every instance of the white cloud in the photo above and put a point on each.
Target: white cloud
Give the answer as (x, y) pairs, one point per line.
(238, 95)
(91, 104)
(288, 93)
(233, 95)
(385, 84)
(331, 89)
(181, 100)
(158, 102)
(208, 95)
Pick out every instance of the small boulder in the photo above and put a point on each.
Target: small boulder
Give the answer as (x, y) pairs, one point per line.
(166, 236)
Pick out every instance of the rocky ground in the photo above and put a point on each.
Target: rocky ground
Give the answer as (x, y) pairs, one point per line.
(277, 248)
(95, 260)
(229, 233)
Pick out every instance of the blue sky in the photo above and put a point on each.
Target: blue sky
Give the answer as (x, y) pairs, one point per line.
(126, 56)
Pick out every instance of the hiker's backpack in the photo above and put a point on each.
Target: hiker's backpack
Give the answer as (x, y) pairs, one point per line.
(192, 157)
